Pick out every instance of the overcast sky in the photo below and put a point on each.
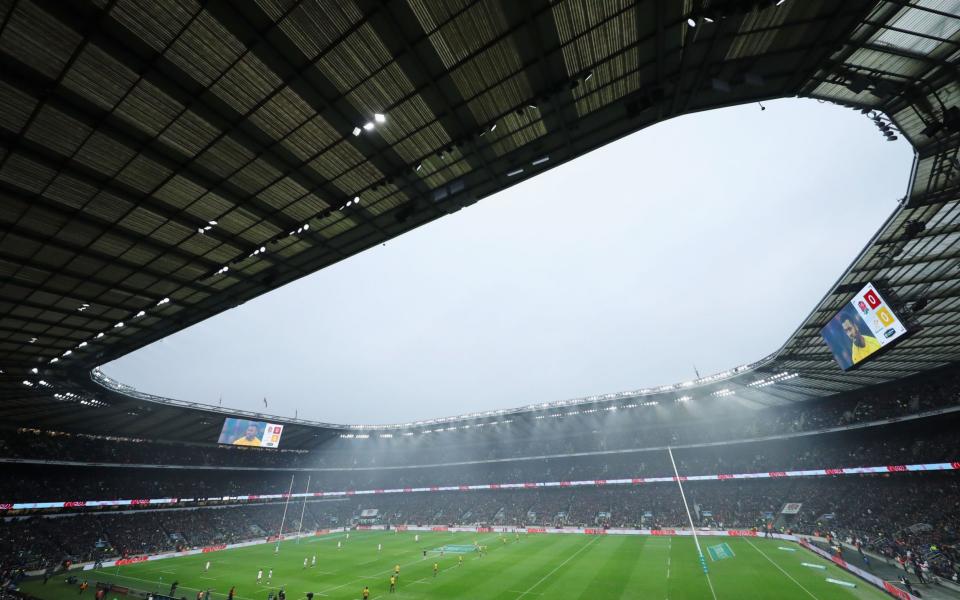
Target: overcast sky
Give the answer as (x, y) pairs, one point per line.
(703, 241)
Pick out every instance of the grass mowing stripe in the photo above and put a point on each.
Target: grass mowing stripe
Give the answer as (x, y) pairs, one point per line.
(557, 568)
(382, 573)
(610, 568)
(764, 554)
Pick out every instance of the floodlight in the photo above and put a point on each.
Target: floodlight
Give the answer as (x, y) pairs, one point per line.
(380, 118)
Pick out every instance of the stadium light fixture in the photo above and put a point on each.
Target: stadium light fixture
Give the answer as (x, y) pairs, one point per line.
(306, 226)
(691, 22)
(164, 301)
(33, 340)
(34, 370)
(211, 222)
(99, 335)
(54, 359)
(357, 131)
(493, 128)
(540, 160)
(380, 118)
(27, 383)
(118, 325)
(81, 344)
(139, 314)
(368, 126)
(515, 172)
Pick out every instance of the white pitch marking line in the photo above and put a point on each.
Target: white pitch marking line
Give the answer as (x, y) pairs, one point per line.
(388, 571)
(180, 587)
(764, 554)
(557, 568)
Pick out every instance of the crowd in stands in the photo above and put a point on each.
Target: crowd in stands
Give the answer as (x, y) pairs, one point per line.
(700, 421)
(47, 542)
(894, 444)
(891, 514)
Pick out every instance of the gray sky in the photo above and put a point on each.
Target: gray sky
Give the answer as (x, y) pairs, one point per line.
(703, 240)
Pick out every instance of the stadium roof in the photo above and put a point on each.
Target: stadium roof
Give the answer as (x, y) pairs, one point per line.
(163, 162)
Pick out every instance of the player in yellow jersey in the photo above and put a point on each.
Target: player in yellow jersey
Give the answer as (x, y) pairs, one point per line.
(249, 438)
(396, 572)
(436, 568)
(861, 346)
(366, 593)
(393, 584)
(460, 561)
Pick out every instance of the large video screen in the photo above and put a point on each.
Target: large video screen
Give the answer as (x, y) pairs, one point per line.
(241, 432)
(863, 326)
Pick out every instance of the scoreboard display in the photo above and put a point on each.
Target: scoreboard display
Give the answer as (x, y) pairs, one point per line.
(863, 326)
(242, 432)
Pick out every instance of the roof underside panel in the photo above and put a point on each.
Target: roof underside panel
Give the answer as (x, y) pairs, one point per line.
(163, 162)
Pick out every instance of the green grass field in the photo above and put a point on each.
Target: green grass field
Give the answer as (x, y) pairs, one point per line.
(537, 567)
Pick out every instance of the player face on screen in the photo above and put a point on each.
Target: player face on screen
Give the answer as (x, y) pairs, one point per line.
(251, 433)
(853, 332)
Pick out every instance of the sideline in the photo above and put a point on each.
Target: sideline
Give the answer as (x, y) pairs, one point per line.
(764, 554)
